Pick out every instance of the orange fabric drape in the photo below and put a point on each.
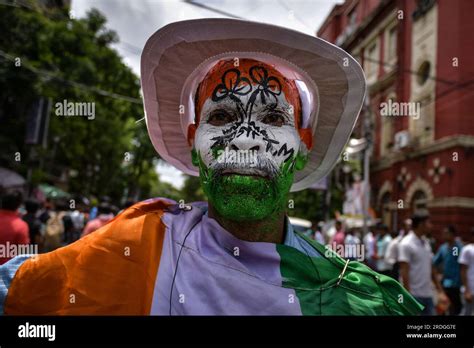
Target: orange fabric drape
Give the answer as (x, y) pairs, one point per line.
(109, 272)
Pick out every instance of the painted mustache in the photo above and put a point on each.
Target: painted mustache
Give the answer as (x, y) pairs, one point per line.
(250, 164)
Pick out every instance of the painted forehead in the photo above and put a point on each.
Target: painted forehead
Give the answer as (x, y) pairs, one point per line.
(228, 79)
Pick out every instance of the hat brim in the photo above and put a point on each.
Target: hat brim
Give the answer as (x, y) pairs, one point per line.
(178, 55)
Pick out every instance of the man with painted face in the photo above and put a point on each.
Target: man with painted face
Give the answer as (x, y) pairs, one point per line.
(256, 111)
(247, 146)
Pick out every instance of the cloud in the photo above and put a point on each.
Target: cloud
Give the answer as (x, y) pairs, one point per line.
(136, 21)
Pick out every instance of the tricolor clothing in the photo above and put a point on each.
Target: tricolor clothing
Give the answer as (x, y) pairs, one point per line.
(159, 258)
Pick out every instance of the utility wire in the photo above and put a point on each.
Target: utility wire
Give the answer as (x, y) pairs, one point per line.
(295, 15)
(137, 51)
(82, 86)
(409, 71)
(212, 9)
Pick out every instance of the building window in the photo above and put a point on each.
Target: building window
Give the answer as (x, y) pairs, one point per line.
(422, 126)
(420, 203)
(423, 73)
(371, 60)
(386, 139)
(352, 18)
(392, 44)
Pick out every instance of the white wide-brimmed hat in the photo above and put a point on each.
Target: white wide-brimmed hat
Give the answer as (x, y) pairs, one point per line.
(178, 56)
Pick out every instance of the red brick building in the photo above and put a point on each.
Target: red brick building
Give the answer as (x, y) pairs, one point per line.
(418, 56)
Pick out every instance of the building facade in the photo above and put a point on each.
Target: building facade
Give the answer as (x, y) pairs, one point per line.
(418, 57)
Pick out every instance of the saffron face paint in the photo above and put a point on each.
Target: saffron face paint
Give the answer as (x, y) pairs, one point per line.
(247, 145)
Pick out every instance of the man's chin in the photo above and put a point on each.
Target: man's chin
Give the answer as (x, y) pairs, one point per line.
(244, 197)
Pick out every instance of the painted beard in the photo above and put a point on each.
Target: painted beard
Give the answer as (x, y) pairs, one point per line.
(246, 145)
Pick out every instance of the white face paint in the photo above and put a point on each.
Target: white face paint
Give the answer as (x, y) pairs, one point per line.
(251, 131)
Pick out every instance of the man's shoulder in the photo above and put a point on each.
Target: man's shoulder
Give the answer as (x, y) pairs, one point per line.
(149, 206)
(132, 221)
(122, 255)
(20, 224)
(468, 249)
(406, 240)
(353, 288)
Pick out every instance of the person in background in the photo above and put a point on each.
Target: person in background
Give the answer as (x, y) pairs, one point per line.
(391, 253)
(466, 261)
(371, 249)
(318, 235)
(35, 225)
(340, 235)
(104, 216)
(44, 213)
(406, 228)
(78, 219)
(383, 241)
(447, 259)
(415, 258)
(13, 230)
(55, 228)
(351, 239)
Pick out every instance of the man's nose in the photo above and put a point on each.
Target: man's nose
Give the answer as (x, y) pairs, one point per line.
(247, 143)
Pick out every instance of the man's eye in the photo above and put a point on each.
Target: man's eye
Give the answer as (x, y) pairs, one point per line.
(274, 120)
(220, 118)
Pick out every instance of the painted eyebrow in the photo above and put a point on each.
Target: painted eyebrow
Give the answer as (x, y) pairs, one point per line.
(271, 107)
(225, 109)
(221, 108)
(275, 108)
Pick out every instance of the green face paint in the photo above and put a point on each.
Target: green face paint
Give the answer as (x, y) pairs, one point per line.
(247, 142)
(248, 198)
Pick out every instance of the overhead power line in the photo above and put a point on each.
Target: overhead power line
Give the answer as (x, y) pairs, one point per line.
(56, 76)
(212, 9)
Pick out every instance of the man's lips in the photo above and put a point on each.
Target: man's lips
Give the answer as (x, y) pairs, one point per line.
(246, 172)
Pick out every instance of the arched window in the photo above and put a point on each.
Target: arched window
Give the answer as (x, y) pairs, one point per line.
(419, 202)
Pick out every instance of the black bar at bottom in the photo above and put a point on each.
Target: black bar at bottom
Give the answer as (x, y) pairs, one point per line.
(241, 329)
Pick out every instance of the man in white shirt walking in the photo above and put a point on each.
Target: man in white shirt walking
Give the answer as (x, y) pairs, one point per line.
(466, 260)
(414, 256)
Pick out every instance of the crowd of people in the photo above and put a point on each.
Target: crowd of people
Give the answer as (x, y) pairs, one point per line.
(441, 275)
(434, 274)
(50, 224)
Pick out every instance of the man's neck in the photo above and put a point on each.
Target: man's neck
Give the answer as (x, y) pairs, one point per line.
(418, 233)
(270, 230)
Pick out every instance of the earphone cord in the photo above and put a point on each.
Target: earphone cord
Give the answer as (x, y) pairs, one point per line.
(177, 264)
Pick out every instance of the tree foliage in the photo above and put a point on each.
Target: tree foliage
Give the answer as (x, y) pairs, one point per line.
(108, 155)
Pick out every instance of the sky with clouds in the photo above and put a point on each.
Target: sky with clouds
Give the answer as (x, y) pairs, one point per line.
(135, 21)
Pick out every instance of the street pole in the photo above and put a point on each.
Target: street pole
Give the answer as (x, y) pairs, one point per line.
(367, 154)
(366, 187)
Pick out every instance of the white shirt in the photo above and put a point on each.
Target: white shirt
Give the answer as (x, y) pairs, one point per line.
(351, 240)
(369, 242)
(318, 237)
(391, 254)
(417, 253)
(467, 258)
(382, 247)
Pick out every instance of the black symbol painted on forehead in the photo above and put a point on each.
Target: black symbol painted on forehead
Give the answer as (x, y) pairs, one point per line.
(234, 86)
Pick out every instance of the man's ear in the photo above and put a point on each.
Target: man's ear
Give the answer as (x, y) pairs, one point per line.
(306, 136)
(191, 133)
